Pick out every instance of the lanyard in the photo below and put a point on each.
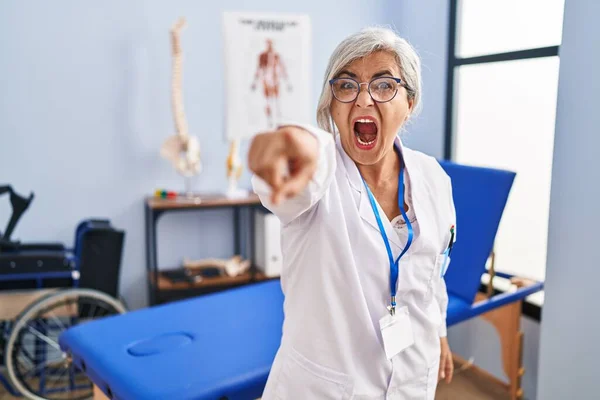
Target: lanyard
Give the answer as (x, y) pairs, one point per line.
(393, 264)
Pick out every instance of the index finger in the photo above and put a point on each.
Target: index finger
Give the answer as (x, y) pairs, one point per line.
(295, 183)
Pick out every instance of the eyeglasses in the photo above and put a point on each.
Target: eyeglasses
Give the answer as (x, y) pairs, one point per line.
(381, 89)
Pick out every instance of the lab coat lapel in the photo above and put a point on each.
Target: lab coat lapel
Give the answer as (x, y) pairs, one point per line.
(364, 205)
(367, 214)
(421, 196)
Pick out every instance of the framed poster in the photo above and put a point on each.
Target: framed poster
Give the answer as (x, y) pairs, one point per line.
(267, 71)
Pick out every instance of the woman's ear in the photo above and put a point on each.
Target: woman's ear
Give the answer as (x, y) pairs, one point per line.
(411, 103)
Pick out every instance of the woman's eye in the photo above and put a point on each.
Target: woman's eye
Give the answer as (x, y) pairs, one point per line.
(384, 86)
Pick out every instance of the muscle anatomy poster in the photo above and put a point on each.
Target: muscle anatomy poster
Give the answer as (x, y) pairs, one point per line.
(267, 71)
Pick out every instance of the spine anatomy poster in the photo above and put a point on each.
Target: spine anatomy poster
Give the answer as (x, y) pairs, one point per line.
(267, 71)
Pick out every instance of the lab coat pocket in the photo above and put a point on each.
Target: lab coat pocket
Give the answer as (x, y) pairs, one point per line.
(417, 279)
(302, 378)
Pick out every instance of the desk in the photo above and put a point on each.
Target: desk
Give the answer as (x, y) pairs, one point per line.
(155, 207)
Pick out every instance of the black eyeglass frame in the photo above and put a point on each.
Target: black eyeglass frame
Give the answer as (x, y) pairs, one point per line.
(399, 82)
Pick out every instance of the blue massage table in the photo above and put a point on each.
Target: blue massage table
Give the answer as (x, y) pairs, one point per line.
(222, 345)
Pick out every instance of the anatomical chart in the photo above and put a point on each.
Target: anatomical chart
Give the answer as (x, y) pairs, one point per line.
(267, 71)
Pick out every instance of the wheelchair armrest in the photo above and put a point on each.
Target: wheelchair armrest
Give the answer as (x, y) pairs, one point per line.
(42, 247)
(7, 245)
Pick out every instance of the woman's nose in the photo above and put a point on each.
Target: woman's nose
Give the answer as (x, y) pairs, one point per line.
(364, 97)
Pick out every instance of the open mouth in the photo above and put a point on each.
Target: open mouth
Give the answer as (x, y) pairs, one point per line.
(365, 131)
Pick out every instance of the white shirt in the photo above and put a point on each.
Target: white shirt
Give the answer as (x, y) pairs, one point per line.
(398, 222)
(335, 278)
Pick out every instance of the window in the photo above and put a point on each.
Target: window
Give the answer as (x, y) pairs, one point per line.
(501, 102)
(492, 27)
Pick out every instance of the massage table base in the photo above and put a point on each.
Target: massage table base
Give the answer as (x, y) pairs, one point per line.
(507, 321)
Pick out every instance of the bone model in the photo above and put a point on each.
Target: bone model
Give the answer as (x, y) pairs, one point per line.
(234, 164)
(181, 149)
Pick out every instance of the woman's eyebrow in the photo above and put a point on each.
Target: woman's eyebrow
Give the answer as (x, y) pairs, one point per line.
(346, 72)
(385, 72)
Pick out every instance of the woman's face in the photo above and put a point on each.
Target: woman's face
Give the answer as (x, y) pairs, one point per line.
(368, 128)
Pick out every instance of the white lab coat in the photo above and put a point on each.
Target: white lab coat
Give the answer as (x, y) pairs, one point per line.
(336, 276)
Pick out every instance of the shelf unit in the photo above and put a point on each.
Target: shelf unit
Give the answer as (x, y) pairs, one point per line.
(160, 288)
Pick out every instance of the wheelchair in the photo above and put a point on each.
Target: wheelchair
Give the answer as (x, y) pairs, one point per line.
(81, 284)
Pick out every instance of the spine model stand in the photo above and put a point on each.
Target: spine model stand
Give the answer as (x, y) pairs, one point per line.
(181, 149)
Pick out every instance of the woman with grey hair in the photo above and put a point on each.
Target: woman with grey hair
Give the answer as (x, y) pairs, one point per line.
(367, 225)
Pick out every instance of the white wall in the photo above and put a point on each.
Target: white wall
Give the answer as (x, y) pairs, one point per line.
(570, 347)
(425, 26)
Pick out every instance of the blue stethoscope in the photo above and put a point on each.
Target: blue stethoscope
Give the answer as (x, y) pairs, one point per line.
(393, 263)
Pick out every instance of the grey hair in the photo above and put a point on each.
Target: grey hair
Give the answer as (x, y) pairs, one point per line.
(362, 44)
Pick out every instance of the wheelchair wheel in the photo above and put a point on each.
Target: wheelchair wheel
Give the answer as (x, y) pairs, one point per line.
(36, 365)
